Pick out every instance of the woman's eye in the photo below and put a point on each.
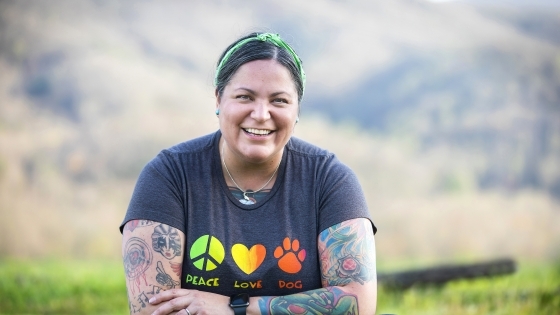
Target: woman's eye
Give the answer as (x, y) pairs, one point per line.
(243, 97)
(280, 100)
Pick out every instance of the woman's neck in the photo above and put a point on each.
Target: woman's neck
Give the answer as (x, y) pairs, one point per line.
(247, 175)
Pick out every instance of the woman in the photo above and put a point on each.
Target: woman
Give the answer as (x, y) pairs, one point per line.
(249, 220)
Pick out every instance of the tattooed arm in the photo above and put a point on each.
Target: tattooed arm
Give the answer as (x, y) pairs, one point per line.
(152, 256)
(347, 258)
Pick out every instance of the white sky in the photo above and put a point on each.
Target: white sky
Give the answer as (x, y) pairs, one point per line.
(555, 3)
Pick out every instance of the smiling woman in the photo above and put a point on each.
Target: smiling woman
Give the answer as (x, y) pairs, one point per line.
(258, 112)
(249, 219)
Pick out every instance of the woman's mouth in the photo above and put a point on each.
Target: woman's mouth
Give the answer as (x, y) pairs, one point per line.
(257, 132)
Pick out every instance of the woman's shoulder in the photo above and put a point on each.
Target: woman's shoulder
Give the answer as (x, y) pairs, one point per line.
(195, 145)
(325, 160)
(181, 152)
(301, 147)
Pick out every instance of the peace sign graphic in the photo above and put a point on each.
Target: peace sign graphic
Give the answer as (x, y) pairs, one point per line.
(207, 252)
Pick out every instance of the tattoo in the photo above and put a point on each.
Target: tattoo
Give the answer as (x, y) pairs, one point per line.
(350, 268)
(137, 258)
(163, 278)
(166, 241)
(133, 224)
(139, 302)
(142, 299)
(347, 254)
(132, 307)
(177, 268)
(329, 300)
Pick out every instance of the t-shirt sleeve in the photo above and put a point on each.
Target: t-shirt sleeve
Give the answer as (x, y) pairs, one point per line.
(341, 196)
(158, 195)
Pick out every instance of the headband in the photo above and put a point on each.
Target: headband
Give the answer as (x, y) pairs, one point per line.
(264, 37)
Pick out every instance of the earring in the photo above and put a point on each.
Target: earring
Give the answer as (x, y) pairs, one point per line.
(217, 112)
(297, 120)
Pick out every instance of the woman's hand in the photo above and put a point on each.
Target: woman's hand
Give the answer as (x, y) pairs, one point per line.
(197, 302)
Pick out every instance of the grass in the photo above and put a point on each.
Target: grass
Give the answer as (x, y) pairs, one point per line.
(534, 289)
(83, 287)
(69, 287)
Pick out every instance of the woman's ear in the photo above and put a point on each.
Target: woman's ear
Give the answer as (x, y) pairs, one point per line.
(217, 97)
(217, 102)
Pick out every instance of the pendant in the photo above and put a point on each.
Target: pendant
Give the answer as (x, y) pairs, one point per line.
(247, 200)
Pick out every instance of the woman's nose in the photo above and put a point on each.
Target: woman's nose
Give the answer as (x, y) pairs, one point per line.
(260, 111)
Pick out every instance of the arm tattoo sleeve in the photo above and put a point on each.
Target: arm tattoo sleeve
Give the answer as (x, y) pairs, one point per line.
(329, 300)
(347, 253)
(137, 258)
(146, 273)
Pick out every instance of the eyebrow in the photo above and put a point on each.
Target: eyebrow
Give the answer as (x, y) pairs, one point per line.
(246, 89)
(254, 93)
(278, 93)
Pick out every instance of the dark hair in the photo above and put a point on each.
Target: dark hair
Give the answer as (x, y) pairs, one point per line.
(256, 50)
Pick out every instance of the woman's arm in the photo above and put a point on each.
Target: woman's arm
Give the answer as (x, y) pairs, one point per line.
(347, 259)
(152, 257)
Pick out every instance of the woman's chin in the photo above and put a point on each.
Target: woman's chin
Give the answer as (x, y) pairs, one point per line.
(257, 159)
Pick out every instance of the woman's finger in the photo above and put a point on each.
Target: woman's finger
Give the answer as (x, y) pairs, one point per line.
(168, 295)
(178, 305)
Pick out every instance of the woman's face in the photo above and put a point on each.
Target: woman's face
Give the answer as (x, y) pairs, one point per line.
(258, 111)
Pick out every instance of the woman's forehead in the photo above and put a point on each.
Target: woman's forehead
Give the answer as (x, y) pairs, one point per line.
(262, 74)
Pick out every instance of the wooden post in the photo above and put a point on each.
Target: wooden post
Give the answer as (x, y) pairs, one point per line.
(439, 275)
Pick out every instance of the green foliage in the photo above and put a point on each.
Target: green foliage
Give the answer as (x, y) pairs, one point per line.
(534, 289)
(68, 287)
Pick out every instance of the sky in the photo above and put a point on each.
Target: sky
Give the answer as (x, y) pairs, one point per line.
(547, 3)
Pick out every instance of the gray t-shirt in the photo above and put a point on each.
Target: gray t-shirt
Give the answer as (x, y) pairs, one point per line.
(265, 249)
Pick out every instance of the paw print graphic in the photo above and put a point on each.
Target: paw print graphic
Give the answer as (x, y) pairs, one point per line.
(290, 256)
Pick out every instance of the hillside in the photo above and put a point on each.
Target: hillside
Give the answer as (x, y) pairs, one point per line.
(492, 90)
(422, 100)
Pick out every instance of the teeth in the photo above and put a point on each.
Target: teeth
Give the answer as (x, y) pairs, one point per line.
(258, 131)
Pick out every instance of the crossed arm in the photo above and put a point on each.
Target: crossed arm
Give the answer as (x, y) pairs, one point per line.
(347, 259)
(152, 258)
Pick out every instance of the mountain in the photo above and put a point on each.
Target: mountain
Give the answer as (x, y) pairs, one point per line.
(419, 98)
(116, 82)
(482, 80)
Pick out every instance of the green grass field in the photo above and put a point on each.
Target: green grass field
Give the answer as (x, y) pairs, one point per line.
(533, 289)
(71, 287)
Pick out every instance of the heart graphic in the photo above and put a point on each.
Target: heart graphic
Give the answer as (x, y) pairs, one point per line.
(248, 260)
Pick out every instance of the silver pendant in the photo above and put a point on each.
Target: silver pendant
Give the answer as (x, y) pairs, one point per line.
(247, 200)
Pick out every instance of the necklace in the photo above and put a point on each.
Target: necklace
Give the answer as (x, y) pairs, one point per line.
(246, 200)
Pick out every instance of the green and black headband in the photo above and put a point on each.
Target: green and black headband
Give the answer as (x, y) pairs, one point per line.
(265, 37)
